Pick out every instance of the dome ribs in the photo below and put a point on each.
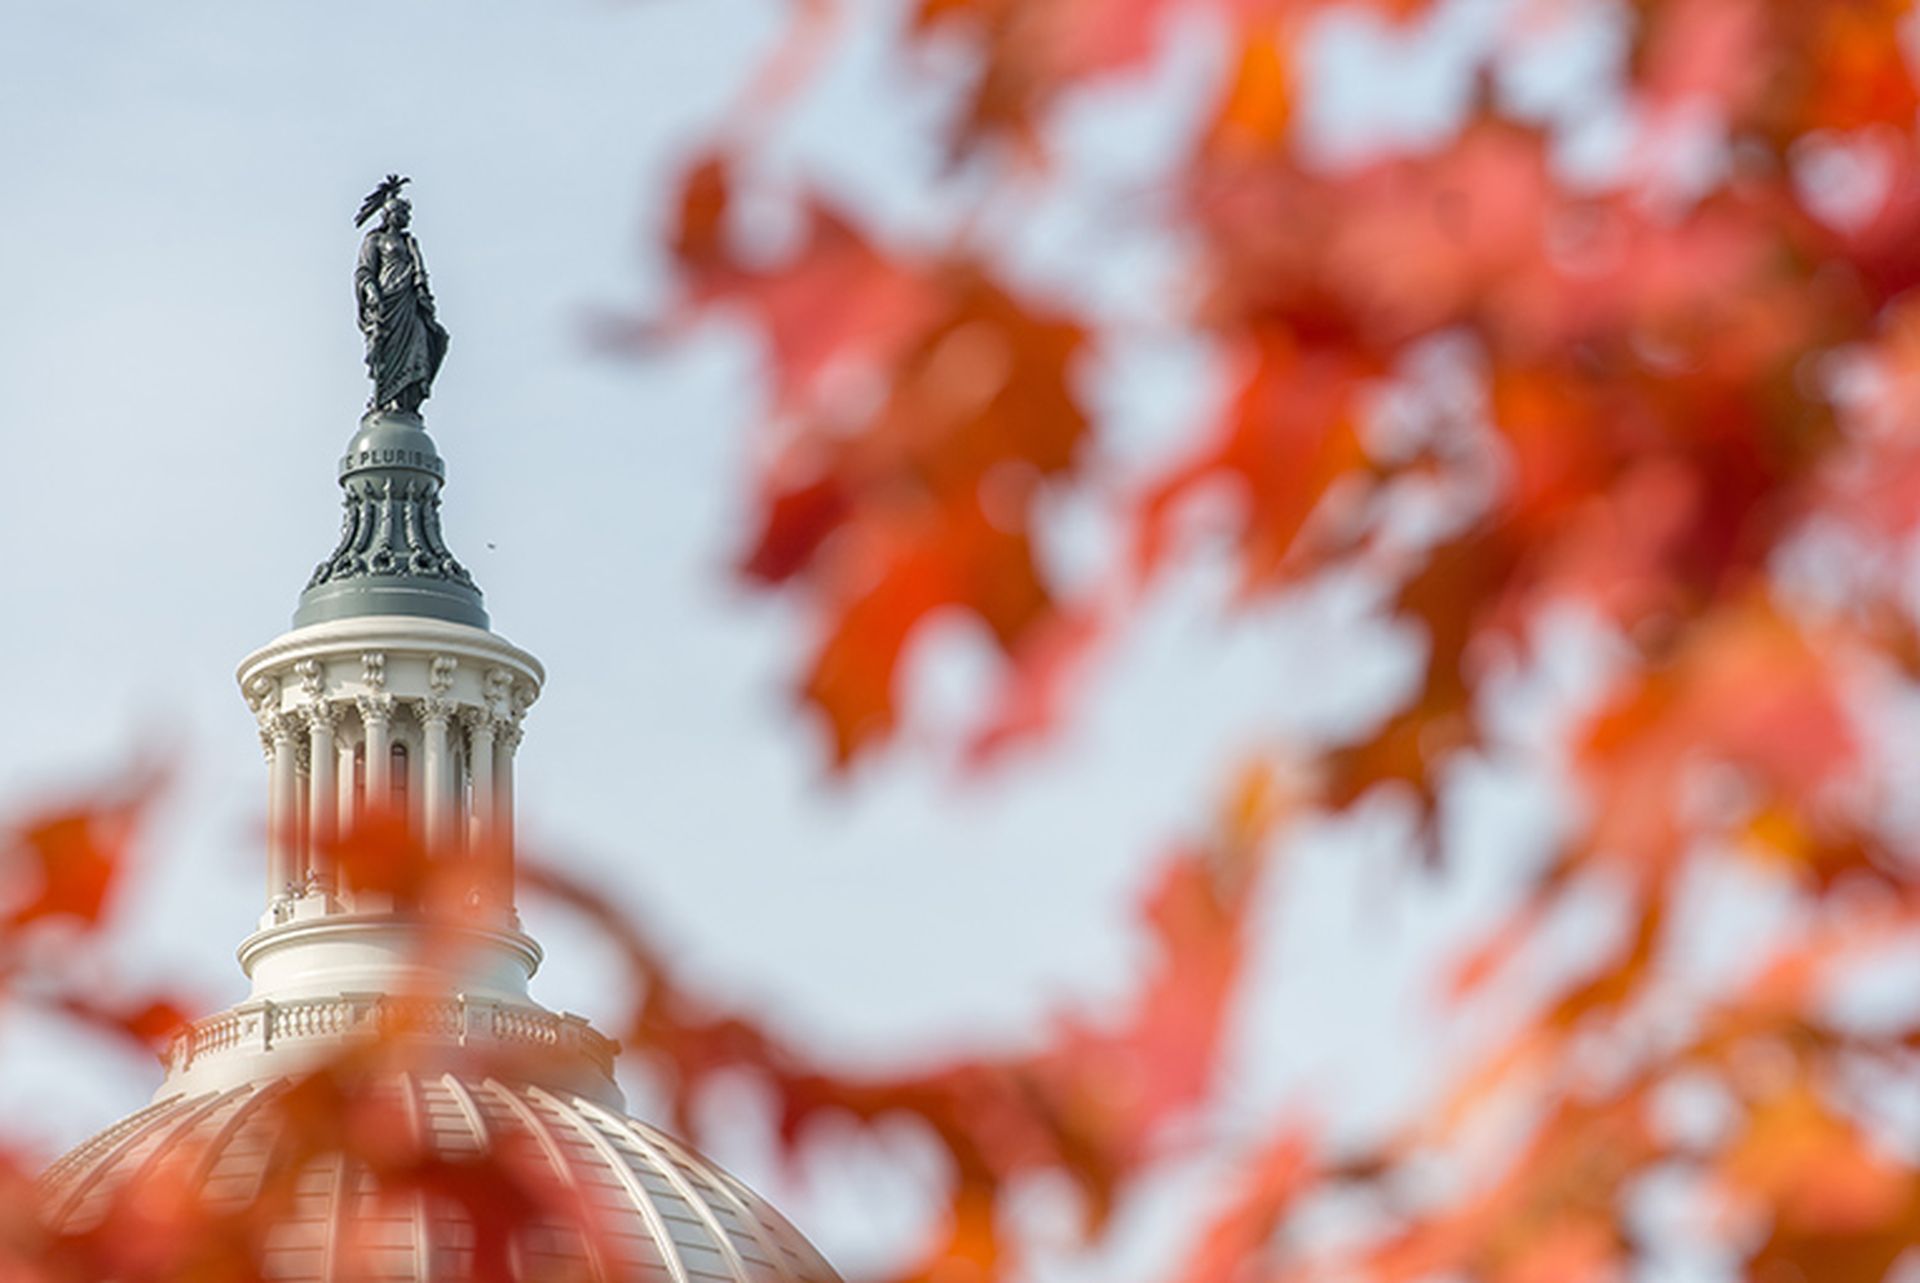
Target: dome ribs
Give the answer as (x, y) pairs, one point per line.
(423, 1140)
(671, 1252)
(110, 1165)
(470, 1110)
(669, 1159)
(564, 1172)
(343, 1188)
(165, 1147)
(83, 1157)
(644, 1198)
(776, 1260)
(219, 1147)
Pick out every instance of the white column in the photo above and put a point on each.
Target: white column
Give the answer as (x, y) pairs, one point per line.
(283, 809)
(344, 778)
(376, 716)
(480, 772)
(503, 752)
(323, 808)
(302, 812)
(437, 777)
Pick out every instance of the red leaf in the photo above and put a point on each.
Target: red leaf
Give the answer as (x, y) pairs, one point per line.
(796, 523)
(67, 863)
(1288, 435)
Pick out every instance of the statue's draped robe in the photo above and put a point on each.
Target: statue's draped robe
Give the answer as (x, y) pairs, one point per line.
(405, 343)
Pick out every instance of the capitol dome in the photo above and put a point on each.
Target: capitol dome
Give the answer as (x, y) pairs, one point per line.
(658, 1210)
(389, 1038)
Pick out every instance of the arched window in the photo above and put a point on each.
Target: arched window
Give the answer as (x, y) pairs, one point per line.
(397, 760)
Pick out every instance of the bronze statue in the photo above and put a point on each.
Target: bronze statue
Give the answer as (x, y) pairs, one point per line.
(405, 342)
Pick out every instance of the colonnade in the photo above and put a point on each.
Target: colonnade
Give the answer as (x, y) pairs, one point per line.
(441, 757)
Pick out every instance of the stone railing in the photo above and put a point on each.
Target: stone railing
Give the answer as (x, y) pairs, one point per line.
(262, 1026)
(216, 1033)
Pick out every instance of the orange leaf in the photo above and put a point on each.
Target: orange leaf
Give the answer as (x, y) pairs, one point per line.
(1235, 1241)
(66, 864)
(1814, 1169)
(1257, 110)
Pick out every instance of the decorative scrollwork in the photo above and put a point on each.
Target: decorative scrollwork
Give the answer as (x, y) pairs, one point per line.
(313, 677)
(391, 531)
(263, 694)
(499, 692)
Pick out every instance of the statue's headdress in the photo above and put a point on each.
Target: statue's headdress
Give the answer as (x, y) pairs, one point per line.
(379, 196)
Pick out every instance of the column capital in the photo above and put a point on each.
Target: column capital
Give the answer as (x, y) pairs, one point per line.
(436, 710)
(284, 728)
(375, 707)
(479, 720)
(322, 715)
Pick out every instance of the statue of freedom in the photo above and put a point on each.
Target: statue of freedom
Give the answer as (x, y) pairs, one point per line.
(405, 342)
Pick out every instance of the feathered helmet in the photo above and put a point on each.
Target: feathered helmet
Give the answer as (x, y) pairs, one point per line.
(388, 190)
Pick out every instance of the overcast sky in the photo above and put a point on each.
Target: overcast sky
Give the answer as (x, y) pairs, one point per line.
(179, 368)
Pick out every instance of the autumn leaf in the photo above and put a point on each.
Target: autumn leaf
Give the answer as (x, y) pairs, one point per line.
(926, 499)
(1816, 1170)
(1257, 108)
(1289, 434)
(1239, 1238)
(65, 864)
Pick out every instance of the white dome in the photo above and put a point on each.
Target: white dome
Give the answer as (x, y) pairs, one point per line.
(663, 1212)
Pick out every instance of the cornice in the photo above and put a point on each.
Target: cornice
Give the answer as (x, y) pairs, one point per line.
(412, 634)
